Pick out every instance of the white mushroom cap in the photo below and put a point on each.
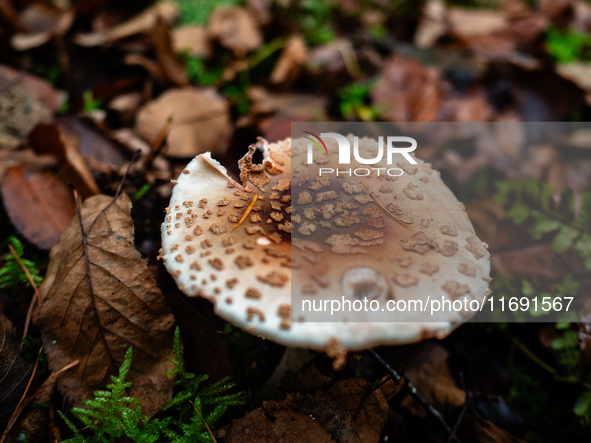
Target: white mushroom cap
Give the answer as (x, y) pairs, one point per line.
(249, 272)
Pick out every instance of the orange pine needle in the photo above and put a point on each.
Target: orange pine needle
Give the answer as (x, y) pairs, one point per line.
(248, 210)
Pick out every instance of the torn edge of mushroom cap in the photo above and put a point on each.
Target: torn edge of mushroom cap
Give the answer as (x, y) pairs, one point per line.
(207, 259)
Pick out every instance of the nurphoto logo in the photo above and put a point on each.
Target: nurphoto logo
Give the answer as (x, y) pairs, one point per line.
(344, 147)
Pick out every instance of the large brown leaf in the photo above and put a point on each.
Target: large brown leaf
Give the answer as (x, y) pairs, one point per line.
(99, 302)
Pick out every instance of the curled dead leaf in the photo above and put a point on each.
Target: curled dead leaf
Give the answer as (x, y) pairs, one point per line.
(236, 29)
(39, 205)
(43, 22)
(199, 121)
(48, 138)
(408, 91)
(142, 23)
(191, 39)
(100, 299)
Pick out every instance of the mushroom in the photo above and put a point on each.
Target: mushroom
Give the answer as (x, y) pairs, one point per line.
(378, 237)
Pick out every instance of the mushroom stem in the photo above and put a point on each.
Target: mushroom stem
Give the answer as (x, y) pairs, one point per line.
(414, 394)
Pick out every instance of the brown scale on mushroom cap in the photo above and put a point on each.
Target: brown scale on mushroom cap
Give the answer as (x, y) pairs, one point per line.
(414, 242)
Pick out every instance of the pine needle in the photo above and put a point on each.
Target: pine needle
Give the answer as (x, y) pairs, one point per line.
(248, 210)
(205, 423)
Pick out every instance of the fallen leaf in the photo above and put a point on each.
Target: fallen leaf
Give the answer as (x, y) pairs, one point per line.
(428, 371)
(20, 111)
(484, 431)
(27, 158)
(39, 205)
(272, 424)
(153, 68)
(432, 24)
(200, 121)
(99, 302)
(191, 39)
(142, 23)
(349, 412)
(294, 55)
(537, 260)
(171, 65)
(43, 22)
(36, 85)
(579, 73)
(93, 147)
(468, 23)
(15, 371)
(408, 91)
(235, 29)
(48, 138)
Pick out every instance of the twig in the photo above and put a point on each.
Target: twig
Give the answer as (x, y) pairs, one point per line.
(135, 156)
(463, 412)
(204, 422)
(383, 382)
(412, 391)
(21, 404)
(29, 277)
(37, 294)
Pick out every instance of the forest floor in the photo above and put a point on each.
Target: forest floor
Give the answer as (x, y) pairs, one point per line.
(97, 95)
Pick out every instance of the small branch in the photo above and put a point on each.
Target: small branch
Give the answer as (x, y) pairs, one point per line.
(430, 410)
(29, 277)
(135, 156)
(37, 294)
(204, 422)
(21, 404)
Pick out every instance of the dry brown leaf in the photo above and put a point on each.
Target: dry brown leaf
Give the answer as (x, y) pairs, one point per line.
(96, 304)
(99, 152)
(488, 432)
(48, 138)
(369, 412)
(20, 111)
(272, 424)
(200, 121)
(294, 55)
(235, 29)
(36, 85)
(191, 39)
(43, 22)
(141, 23)
(39, 205)
(468, 23)
(349, 412)
(432, 25)
(408, 91)
(27, 158)
(15, 371)
(428, 371)
(171, 65)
